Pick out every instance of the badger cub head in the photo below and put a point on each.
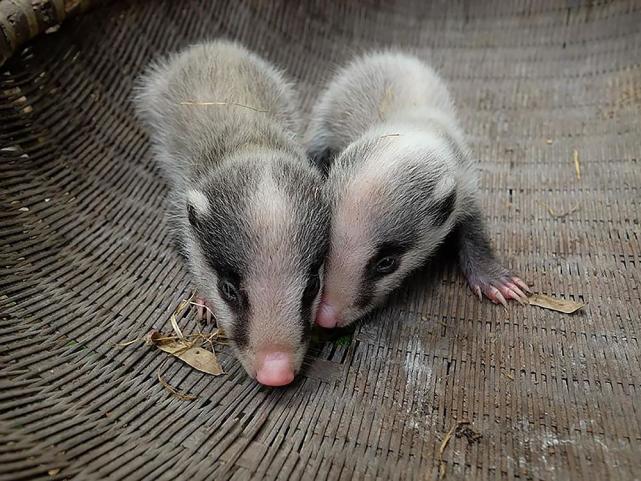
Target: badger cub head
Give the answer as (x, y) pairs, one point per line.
(394, 199)
(258, 240)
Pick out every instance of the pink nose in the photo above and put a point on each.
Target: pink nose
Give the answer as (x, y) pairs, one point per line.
(274, 368)
(326, 316)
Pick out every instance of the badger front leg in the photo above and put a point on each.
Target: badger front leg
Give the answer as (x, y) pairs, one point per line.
(484, 273)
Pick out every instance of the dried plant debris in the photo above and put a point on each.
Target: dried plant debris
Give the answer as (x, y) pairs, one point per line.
(233, 104)
(188, 349)
(562, 215)
(460, 429)
(463, 429)
(196, 349)
(386, 102)
(577, 164)
(175, 392)
(560, 305)
(442, 467)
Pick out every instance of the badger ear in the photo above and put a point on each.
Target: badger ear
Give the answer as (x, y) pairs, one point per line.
(445, 197)
(197, 206)
(444, 186)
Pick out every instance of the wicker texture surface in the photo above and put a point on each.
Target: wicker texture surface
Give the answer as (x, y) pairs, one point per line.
(22, 20)
(550, 96)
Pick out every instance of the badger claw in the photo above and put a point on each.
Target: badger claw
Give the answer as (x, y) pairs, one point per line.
(521, 284)
(204, 312)
(477, 289)
(495, 296)
(499, 289)
(521, 296)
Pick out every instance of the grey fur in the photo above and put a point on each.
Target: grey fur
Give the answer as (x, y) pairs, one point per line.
(404, 176)
(245, 205)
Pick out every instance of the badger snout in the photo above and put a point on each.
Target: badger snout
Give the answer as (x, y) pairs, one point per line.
(327, 316)
(274, 366)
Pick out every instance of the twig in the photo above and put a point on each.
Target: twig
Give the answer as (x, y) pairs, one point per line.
(179, 394)
(175, 392)
(577, 166)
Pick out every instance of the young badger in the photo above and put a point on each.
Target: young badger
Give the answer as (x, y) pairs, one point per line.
(246, 207)
(403, 180)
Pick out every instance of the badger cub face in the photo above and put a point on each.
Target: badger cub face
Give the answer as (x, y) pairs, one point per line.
(393, 201)
(259, 241)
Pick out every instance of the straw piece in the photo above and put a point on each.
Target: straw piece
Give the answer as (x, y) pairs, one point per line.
(235, 104)
(446, 440)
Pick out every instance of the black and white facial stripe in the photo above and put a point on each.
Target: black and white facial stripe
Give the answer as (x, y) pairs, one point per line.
(403, 176)
(246, 206)
(386, 260)
(229, 240)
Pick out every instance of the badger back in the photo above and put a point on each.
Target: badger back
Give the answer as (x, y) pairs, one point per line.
(374, 89)
(207, 101)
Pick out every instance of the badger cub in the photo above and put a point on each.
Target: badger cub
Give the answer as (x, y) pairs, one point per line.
(400, 179)
(246, 207)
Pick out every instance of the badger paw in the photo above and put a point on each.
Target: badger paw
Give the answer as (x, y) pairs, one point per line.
(499, 288)
(205, 313)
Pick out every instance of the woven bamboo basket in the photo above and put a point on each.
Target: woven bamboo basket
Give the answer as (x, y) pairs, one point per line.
(549, 94)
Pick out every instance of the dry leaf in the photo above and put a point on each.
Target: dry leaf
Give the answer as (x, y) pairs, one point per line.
(187, 351)
(196, 357)
(53, 472)
(560, 305)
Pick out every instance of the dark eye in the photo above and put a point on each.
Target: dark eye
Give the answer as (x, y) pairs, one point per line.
(386, 265)
(228, 291)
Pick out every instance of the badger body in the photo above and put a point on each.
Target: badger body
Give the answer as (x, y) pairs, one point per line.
(400, 180)
(246, 208)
